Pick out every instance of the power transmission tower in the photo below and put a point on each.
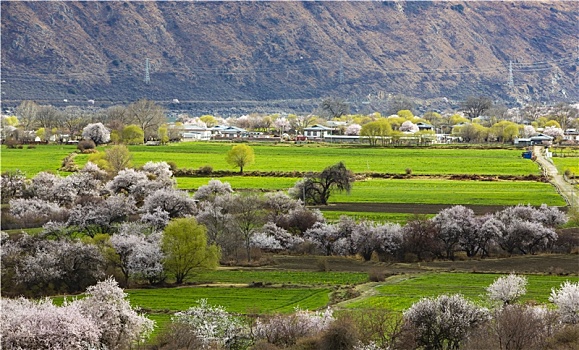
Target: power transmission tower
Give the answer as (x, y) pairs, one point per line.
(341, 72)
(147, 76)
(511, 82)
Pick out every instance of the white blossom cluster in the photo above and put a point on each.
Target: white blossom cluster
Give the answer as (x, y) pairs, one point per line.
(285, 329)
(103, 319)
(213, 325)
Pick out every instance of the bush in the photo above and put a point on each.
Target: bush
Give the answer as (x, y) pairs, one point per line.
(340, 335)
(86, 145)
(376, 275)
(11, 143)
(205, 170)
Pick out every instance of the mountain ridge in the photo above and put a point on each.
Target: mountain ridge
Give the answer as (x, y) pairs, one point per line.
(302, 51)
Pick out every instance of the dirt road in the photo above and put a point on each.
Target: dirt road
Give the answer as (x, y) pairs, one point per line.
(565, 189)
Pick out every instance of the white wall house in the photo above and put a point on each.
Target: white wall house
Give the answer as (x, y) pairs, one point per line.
(317, 131)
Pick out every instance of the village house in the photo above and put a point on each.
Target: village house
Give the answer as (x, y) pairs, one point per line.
(317, 131)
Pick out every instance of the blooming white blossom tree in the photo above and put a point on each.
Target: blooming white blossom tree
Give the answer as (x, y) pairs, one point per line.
(274, 238)
(130, 182)
(26, 208)
(554, 132)
(12, 185)
(212, 189)
(158, 218)
(567, 300)
(446, 319)
(139, 255)
(324, 236)
(41, 185)
(40, 324)
(507, 289)
(119, 325)
(353, 129)
(96, 132)
(284, 330)
(452, 224)
(93, 218)
(174, 202)
(409, 126)
(528, 131)
(213, 325)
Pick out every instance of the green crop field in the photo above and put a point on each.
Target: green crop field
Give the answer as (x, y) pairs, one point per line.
(233, 299)
(358, 159)
(429, 191)
(399, 218)
(309, 278)
(567, 163)
(419, 191)
(400, 292)
(241, 182)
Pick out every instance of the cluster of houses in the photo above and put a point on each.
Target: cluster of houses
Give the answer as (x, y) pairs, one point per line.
(317, 132)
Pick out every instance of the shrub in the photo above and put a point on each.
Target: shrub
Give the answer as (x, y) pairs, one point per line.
(11, 143)
(376, 275)
(205, 170)
(86, 145)
(340, 335)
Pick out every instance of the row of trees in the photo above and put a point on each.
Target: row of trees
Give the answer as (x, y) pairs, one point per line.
(104, 319)
(48, 121)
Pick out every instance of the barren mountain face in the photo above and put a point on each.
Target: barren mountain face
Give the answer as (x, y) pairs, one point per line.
(298, 51)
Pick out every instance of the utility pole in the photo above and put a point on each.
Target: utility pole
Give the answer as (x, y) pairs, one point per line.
(147, 76)
(511, 82)
(341, 72)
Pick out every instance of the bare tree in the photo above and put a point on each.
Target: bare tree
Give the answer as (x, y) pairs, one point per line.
(474, 107)
(316, 189)
(148, 115)
(26, 113)
(331, 108)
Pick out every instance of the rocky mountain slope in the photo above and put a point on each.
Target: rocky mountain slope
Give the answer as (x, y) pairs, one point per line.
(288, 51)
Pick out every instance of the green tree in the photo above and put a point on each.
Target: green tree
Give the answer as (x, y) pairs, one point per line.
(163, 134)
(406, 114)
(118, 158)
(185, 247)
(41, 133)
(209, 120)
(132, 135)
(376, 130)
(240, 156)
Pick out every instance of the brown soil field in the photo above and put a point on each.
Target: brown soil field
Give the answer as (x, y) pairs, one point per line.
(564, 264)
(405, 208)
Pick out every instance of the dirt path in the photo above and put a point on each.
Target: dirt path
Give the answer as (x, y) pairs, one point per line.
(565, 189)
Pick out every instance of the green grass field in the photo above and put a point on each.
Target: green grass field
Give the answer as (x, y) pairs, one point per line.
(33, 161)
(400, 292)
(358, 159)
